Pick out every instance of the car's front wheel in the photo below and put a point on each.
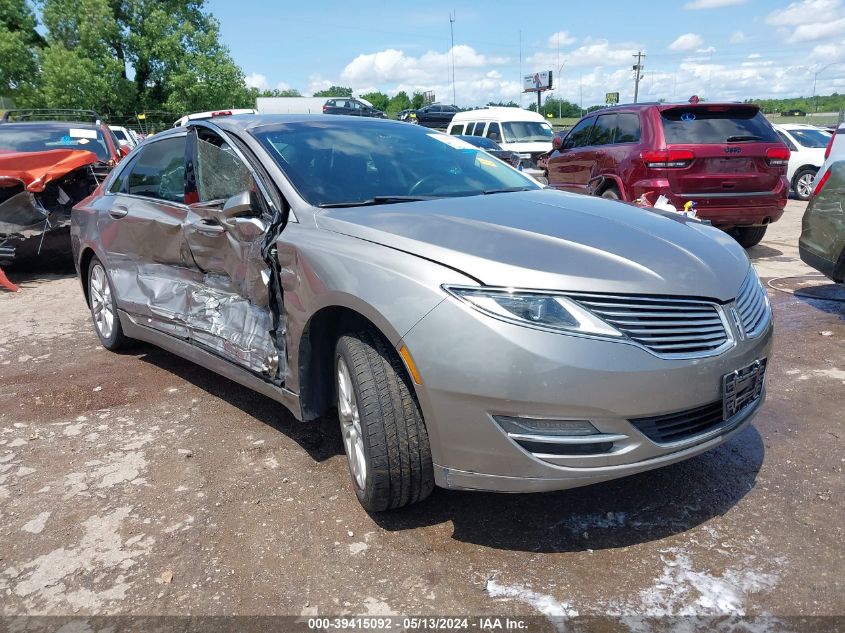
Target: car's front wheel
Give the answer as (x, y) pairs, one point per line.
(802, 183)
(384, 435)
(103, 307)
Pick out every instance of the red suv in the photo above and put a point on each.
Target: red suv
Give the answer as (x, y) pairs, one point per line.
(725, 157)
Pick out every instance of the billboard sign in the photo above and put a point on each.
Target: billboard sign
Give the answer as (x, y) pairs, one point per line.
(537, 82)
(611, 98)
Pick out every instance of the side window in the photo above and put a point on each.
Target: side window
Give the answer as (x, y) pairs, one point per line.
(580, 134)
(627, 128)
(479, 129)
(118, 183)
(159, 171)
(331, 103)
(603, 130)
(220, 173)
(434, 109)
(469, 129)
(457, 129)
(494, 131)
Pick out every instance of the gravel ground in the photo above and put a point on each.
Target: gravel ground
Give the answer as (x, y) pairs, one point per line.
(139, 483)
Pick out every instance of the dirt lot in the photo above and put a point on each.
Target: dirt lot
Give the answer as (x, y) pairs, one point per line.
(142, 484)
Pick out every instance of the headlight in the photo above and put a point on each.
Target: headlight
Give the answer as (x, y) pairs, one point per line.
(539, 310)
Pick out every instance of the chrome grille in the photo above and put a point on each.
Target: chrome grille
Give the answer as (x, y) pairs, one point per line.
(671, 327)
(752, 305)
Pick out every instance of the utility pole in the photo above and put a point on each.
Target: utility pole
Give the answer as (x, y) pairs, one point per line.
(638, 67)
(452, 16)
(520, 66)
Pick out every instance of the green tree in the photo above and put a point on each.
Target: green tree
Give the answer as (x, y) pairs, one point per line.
(334, 91)
(399, 102)
(79, 68)
(417, 101)
(378, 99)
(19, 45)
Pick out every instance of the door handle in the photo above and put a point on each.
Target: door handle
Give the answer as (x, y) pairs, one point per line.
(209, 229)
(118, 211)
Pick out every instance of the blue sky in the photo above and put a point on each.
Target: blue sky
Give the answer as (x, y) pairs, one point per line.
(719, 49)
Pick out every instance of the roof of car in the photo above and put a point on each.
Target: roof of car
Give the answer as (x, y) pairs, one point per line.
(796, 126)
(244, 122)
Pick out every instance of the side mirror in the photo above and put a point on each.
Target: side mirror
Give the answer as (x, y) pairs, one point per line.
(557, 142)
(240, 204)
(124, 150)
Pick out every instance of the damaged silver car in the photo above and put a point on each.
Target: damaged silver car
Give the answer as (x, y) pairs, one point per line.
(49, 161)
(473, 329)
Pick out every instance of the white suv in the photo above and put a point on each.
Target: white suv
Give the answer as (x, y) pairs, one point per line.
(806, 144)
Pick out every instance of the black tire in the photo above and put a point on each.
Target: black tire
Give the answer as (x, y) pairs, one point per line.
(802, 182)
(112, 338)
(610, 194)
(395, 442)
(748, 236)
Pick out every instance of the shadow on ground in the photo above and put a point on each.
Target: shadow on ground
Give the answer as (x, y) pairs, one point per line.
(620, 513)
(320, 438)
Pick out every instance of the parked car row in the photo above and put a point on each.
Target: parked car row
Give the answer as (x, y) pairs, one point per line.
(727, 158)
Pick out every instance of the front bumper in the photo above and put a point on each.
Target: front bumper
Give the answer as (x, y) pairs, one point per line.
(474, 367)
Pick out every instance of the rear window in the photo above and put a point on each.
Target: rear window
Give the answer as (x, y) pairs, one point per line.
(728, 125)
(815, 139)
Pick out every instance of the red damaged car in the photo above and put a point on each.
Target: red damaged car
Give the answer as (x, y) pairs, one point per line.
(725, 157)
(49, 161)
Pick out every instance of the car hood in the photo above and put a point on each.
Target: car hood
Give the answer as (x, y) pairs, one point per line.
(547, 239)
(36, 169)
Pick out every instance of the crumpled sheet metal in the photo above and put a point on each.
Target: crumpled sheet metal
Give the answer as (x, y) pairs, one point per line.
(202, 308)
(239, 262)
(36, 169)
(22, 215)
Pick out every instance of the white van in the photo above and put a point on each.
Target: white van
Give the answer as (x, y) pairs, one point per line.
(518, 130)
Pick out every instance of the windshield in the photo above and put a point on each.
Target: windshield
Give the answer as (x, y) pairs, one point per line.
(814, 139)
(377, 162)
(42, 137)
(719, 124)
(526, 131)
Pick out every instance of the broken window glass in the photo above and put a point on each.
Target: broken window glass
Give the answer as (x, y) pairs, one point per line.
(220, 173)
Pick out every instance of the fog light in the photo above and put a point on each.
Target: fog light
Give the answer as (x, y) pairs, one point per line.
(539, 426)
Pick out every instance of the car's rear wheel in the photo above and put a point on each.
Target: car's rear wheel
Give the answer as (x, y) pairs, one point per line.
(748, 236)
(103, 307)
(610, 194)
(384, 435)
(802, 183)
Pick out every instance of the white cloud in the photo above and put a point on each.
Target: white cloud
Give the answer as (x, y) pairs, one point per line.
(706, 51)
(712, 4)
(591, 53)
(804, 12)
(820, 31)
(561, 38)
(257, 80)
(686, 42)
(737, 37)
(282, 86)
(393, 66)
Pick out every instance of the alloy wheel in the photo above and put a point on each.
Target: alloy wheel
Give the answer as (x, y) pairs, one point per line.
(101, 303)
(804, 185)
(350, 424)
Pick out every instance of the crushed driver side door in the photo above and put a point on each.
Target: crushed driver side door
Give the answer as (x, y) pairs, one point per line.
(228, 218)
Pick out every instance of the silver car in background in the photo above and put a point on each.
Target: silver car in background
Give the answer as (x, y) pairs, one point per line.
(474, 330)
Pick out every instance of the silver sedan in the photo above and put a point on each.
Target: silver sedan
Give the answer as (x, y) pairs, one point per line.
(473, 329)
